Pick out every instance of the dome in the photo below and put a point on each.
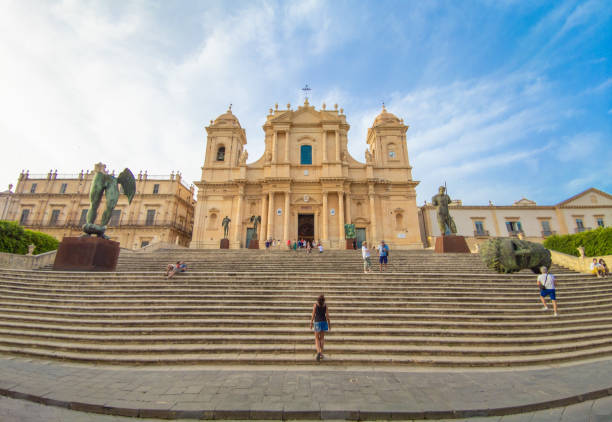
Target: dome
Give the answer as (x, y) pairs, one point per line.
(227, 119)
(385, 118)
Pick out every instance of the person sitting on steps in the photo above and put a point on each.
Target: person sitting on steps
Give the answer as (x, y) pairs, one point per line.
(597, 269)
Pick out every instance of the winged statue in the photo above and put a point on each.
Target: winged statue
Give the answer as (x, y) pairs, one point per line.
(107, 185)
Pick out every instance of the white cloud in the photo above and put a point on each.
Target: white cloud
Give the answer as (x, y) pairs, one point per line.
(88, 81)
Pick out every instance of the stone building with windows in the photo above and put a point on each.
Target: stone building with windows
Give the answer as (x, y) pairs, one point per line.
(306, 184)
(585, 211)
(57, 204)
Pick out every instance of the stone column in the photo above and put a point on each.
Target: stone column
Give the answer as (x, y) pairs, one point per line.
(264, 217)
(238, 221)
(374, 238)
(317, 232)
(341, 235)
(338, 145)
(325, 214)
(286, 146)
(270, 214)
(324, 146)
(349, 217)
(286, 219)
(274, 146)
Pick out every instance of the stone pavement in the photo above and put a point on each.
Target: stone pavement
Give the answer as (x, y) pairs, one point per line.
(13, 410)
(325, 392)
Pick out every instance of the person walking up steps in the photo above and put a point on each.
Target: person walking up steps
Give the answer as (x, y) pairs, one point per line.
(320, 320)
(547, 288)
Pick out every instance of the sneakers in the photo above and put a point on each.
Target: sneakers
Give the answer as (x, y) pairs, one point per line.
(318, 357)
(556, 314)
(545, 308)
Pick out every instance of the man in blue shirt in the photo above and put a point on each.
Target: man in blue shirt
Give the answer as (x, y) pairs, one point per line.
(383, 255)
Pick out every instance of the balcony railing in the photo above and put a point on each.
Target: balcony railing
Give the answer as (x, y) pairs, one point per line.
(546, 233)
(133, 224)
(515, 233)
(581, 229)
(481, 233)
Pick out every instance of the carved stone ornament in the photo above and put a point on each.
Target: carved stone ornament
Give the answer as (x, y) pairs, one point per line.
(306, 198)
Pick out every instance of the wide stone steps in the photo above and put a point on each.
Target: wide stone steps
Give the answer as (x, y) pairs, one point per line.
(273, 357)
(253, 307)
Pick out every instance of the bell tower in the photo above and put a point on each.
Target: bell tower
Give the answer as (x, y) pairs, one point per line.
(387, 141)
(224, 144)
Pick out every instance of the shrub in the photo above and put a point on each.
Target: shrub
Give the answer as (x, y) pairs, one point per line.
(44, 242)
(14, 239)
(595, 242)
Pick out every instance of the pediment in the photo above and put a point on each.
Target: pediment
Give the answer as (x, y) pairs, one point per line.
(591, 197)
(303, 115)
(306, 117)
(525, 202)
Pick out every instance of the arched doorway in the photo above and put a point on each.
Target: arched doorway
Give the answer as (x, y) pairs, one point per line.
(306, 226)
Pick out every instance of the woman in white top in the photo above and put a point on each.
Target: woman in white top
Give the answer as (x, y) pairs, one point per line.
(365, 253)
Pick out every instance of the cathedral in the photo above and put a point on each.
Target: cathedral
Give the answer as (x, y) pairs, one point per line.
(307, 185)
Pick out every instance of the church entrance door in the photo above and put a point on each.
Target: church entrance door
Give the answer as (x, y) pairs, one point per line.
(249, 235)
(360, 236)
(306, 226)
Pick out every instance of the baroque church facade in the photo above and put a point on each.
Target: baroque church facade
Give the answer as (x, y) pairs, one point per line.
(307, 185)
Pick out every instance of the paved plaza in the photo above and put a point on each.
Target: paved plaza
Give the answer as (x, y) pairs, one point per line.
(325, 392)
(15, 410)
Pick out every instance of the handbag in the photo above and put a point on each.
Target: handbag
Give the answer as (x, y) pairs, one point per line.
(542, 287)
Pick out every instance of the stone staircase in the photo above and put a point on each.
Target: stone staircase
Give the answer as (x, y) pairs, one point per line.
(253, 307)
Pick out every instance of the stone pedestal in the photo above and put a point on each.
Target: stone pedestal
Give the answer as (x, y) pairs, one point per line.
(451, 244)
(349, 243)
(86, 254)
(224, 244)
(254, 244)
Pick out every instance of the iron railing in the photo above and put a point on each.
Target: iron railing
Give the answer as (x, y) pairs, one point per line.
(481, 233)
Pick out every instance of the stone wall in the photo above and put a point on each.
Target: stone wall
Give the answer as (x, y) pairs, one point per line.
(26, 262)
(580, 264)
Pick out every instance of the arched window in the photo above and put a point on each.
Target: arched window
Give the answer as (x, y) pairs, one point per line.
(306, 154)
(221, 154)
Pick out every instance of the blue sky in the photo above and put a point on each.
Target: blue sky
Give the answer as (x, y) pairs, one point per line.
(505, 99)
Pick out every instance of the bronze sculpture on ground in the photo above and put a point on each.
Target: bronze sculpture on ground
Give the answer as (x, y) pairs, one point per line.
(441, 200)
(225, 223)
(509, 255)
(104, 183)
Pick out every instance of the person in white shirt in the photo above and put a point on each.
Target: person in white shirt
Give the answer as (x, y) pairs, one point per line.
(547, 288)
(365, 253)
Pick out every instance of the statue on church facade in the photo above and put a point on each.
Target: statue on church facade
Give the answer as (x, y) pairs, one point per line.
(255, 219)
(225, 223)
(445, 221)
(106, 184)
